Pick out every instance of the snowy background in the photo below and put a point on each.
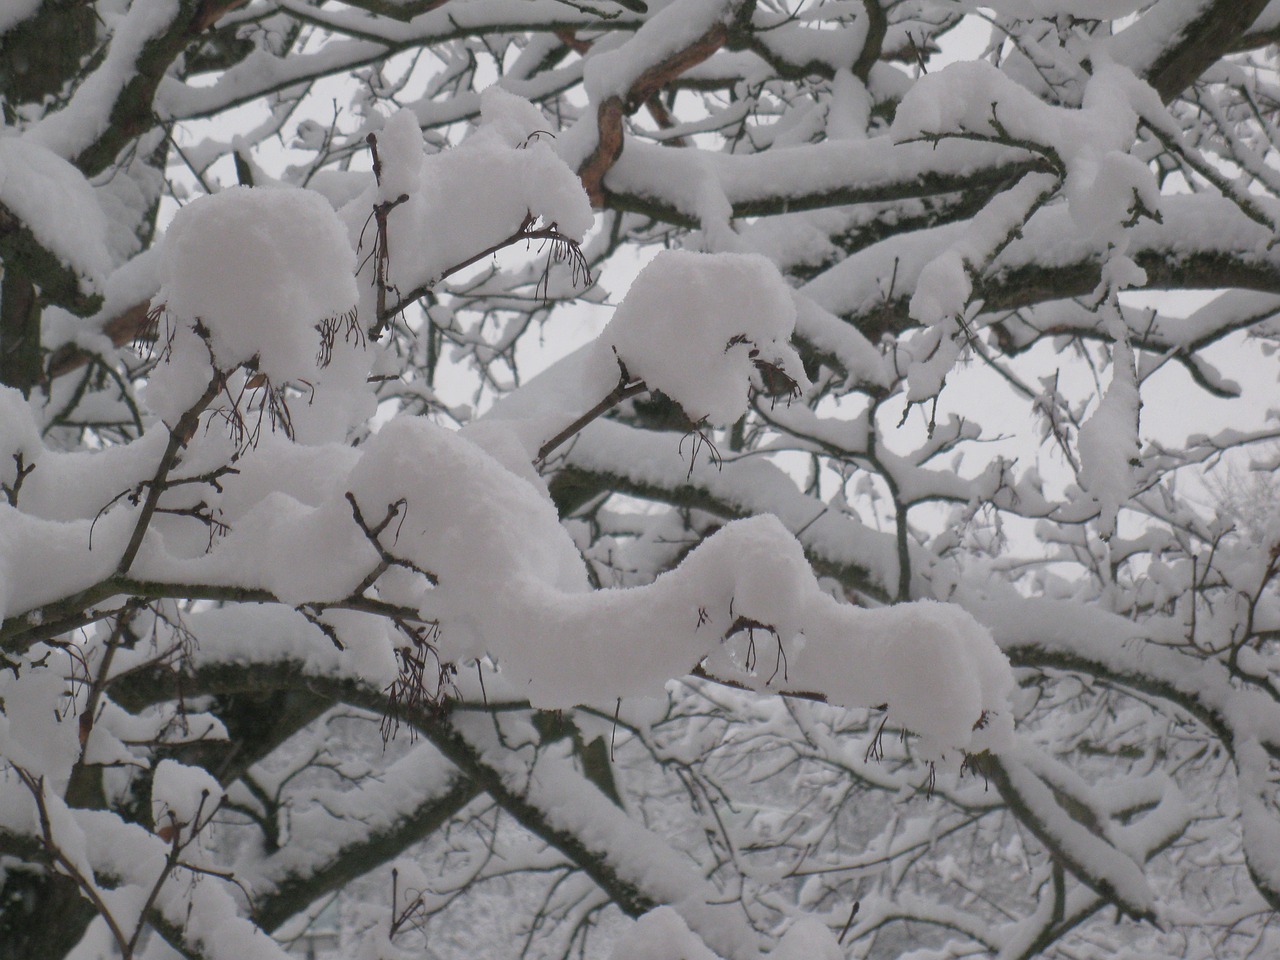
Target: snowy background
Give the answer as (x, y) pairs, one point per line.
(683, 480)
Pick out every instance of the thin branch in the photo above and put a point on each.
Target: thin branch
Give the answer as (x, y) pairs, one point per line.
(178, 437)
(622, 391)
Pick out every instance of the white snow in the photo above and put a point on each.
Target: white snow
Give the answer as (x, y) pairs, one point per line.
(1105, 186)
(17, 11)
(183, 798)
(661, 934)
(260, 269)
(55, 202)
(87, 115)
(807, 939)
(401, 153)
(668, 31)
(770, 588)
(690, 323)
(469, 199)
(1108, 443)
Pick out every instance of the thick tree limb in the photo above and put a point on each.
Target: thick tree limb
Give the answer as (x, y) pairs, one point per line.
(306, 879)
(1174, 41)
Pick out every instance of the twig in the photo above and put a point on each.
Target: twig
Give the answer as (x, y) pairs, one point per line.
(626, 388)
(87, 887)
(388, 559)
(521, 235)
(178, 437)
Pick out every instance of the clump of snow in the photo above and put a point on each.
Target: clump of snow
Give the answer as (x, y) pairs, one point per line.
(481, 529)
(940, 297)
(695, 325)
(468, 199)
(517, 121)
(932, 353)
(263, 546)
(1103, 192)
(937, 669)
(1119, 272)
(260, 270)
(480, 553)
(27, 737)
(19, 435)
(941, 300)
(849, 112)
(807, 939)
(400, 155)
(183, 797)
(177, 384)
(943, 289)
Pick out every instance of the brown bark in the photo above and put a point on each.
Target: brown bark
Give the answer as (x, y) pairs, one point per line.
(645, 87)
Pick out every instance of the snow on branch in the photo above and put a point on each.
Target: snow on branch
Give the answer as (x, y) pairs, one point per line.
(379, 580)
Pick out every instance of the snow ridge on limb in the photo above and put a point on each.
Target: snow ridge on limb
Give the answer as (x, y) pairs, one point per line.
(1090, 857)
(1244, 719)
(751, 577)
(334, 842)
(35, 181)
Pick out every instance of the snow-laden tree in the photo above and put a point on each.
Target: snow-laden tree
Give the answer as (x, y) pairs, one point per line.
(846, 583)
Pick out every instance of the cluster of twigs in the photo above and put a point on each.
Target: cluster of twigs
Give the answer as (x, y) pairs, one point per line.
(348, 324)
(254, 400)
(177, 834)
(422, 680)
